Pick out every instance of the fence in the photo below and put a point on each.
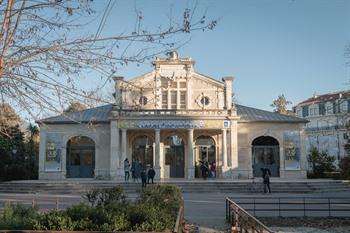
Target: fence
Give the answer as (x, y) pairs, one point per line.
(296, 206)
(42, 205)
(241, 221)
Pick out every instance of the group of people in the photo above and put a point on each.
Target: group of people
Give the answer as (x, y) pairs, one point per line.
(208, 170)
(138, 171)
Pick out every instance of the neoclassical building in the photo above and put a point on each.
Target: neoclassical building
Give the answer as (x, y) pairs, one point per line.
(172, 118)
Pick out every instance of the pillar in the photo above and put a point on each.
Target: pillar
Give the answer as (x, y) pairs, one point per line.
(123, 157)
(234, 149)
(226, 173)
(224, 148)
(228, 91)
(282, 169)
(114, 150)
(158, 165)
(190, 165)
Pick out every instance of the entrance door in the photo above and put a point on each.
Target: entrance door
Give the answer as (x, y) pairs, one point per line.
(80, 158)
(265, 155)
(204, 152)
(174, 156)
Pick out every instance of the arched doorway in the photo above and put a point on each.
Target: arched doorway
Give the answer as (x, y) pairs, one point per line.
(205, 151)
(142, 150)
(265, 155)
(80, 161)
(174, 152)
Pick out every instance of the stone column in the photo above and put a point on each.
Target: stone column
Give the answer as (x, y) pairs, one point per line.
(42, 154)
(250, 162)
(282, 169)
(118, 91)
(114, 150)
(224, 148)
(234, 149)
(190, 165)
(228, 91)
(157, 164)
(124, 142)
(224, 168)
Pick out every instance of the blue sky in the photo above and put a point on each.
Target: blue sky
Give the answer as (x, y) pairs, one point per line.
(292, 47)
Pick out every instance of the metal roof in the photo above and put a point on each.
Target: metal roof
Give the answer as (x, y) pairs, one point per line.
(102, 114)
(99, 114)
(248, 114)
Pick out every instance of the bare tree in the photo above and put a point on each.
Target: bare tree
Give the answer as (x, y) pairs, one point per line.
(42, 57)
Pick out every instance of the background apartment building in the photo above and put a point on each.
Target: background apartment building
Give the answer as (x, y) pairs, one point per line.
(328, 128)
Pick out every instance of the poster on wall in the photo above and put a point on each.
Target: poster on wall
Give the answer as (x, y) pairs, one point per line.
(292, 151)
(53, 152)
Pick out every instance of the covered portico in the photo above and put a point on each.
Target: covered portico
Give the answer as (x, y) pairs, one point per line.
(169, 145)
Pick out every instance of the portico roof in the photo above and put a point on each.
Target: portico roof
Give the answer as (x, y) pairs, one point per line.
(102, 114)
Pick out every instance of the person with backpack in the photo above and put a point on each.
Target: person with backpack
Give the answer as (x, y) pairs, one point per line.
(266, 180)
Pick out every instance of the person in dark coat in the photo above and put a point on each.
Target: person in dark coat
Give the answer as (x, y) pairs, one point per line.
(151, 174)
(143, 178)
(266, 173)
(133, 169)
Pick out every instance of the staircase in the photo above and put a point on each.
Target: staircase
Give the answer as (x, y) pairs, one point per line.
(81, 186)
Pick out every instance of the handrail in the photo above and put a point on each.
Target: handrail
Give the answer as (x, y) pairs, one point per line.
(272, 205)
(241, 221)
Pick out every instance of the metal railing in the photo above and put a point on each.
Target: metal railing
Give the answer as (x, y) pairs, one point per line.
(242, 221)
(41, 205)
(296, 206)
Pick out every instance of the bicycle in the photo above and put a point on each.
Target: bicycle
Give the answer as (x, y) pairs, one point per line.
(254, 187)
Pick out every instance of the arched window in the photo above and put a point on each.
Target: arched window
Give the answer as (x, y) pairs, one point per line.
(142, 150)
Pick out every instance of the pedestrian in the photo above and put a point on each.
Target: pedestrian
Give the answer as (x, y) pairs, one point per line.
(213, 170)
(266, 173)
(267, 182)
(143, 178)
(133, 170)
(204, 170)
(126, 169)
(151, 174)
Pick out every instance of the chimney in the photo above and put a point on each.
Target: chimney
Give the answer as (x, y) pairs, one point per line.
(228, 91)
(118, 90)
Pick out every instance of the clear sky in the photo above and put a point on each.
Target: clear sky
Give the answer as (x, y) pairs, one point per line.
(294, 47)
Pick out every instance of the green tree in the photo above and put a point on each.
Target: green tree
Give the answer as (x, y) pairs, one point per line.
(320, 163)
(344, 163)
(75, 107)
(280, 105)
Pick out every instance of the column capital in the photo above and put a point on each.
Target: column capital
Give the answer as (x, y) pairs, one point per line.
(124, 130)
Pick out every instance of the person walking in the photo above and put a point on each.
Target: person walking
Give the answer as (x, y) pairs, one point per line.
(126, 169)
(151, 174)
(143, 178)
(133, 170)
(213, 170)
(266, 173)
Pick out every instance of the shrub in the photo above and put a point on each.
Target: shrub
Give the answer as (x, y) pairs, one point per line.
(17, 217)
(320, 163)
(344, 165)
(155, 210)
(164, 196)
(103, 197)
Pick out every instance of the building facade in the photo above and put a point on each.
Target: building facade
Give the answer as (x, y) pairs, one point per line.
(172, 118)
(328, 127)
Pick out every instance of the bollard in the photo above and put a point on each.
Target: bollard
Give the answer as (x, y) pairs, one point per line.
(57, 204)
